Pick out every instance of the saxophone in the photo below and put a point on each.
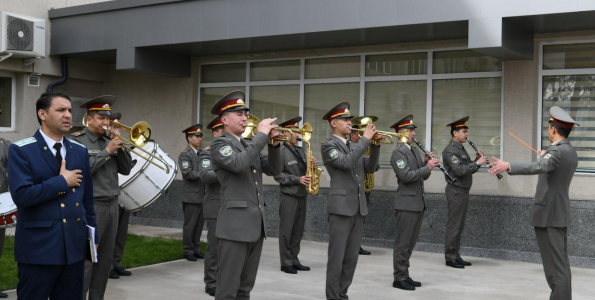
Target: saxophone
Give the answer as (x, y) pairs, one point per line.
(368, 177)
(314, 172)
(311, 169)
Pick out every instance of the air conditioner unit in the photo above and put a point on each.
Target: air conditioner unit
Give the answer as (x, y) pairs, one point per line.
(22, 36)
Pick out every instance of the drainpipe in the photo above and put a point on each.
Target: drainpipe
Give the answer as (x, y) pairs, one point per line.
(62, 80)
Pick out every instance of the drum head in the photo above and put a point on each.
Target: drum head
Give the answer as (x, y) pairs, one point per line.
(139, 164)
(7, 206)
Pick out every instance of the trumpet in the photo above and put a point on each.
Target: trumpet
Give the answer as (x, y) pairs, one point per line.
(251, 128)
(388, 136)
(140, 134)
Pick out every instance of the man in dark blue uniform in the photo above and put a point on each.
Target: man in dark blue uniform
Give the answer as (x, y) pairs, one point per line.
(50, 182)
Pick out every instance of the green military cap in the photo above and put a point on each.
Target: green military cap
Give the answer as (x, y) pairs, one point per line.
(340, 111)
(233, 101)
(195, 129)
(560, 117)
(291, 123)
(460, 123)
(405, 122)
(101, 105)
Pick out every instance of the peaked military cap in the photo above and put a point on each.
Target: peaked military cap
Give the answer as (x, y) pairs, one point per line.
(115, 116)
(462, 123)
(291, 123)
(406, 122)
(101, 105)
(216, 123)
(340, 111)
(193, 130)
(233, 101)
(560, 117)
(363, 121)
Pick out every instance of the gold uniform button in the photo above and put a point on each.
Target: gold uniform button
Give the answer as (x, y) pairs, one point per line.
(64, 220)
(256, 182)
(254, 171)
(62, 205)
(78, 219)
(77, 204)
(73, 190)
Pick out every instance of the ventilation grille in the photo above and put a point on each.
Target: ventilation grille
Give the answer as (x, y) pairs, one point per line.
(19, 34)
(33, 81)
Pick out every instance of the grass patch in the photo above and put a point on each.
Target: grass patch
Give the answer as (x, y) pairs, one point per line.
(8, 267)
(139, 251)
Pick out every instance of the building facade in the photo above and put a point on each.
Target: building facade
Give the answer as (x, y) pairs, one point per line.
(503, 63)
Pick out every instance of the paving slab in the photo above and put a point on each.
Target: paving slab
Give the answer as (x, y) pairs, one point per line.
(488, 279)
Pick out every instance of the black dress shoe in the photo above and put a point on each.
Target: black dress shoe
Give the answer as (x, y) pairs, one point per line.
(289, 270)
(455, 264)
(464, 263)
(404, 285)
(191, 257)
(199, 255)
(413, 282)
(3, 295)
(343, 296)
(211, 291)
(301, 268)
(364, 252)
(113, 275)
(122, 272)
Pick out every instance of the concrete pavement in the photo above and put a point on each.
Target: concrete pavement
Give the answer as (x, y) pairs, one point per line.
(486, 279)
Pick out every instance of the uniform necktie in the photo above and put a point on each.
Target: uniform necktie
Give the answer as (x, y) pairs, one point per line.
(58, 146)
(348, 145)
(414, 154)
(244, 143)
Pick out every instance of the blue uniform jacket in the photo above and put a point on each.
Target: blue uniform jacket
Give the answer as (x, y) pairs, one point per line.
(52, 218)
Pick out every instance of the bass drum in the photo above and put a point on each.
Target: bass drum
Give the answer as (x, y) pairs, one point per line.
(8, 211)
(146, 182)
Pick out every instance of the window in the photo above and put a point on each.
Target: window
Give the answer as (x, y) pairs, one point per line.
(335, 67)
(467, 61)
(319, 99)
(478, 98)
(280, 101)
(436, 87)
(568, 81)
(392, 100)
(223, 73)
(397, 64)
(7, 101)
(275, 70)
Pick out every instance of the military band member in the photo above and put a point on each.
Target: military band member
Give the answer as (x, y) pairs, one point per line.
(211, 206)
(409, 203)
(193, 193)
(107, 158)
(550, 214)
(292, 199)
(4, 144)
(346, 205)
(123, 220)
(49, 178)
(458, 163)
(241, 221)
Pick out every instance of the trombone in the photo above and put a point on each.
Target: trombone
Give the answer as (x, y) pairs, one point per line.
(140, 133)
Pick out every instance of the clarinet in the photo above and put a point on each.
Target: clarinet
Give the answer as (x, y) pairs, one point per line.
(450, 179)
(476, 150)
